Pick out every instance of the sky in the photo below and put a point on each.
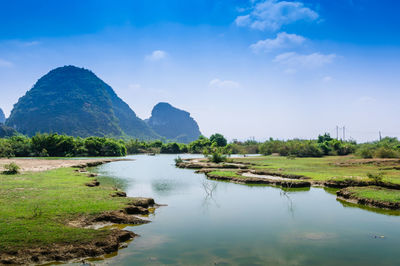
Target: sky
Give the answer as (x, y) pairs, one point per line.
(243, 68)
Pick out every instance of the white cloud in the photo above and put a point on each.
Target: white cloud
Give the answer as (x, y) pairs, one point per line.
(282, 40)
(273, 14)
(293, 59)
(224, 84)
(156, 55)
(5, 63)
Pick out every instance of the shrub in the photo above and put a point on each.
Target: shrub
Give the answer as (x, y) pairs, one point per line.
(365, 152)
(11, 169)
(217, 157)
(386, 152)
(376, 178)
(178, 160)
(6, 149)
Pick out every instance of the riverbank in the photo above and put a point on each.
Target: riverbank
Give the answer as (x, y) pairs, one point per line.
(371, 196)
(45, 164)
(54, 215)
(333, 172)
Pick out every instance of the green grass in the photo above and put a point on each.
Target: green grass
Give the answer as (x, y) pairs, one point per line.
(226, 174)
(376, 193)
(321, 169)
(34, 208)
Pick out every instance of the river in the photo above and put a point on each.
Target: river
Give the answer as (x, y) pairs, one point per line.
(210, 222)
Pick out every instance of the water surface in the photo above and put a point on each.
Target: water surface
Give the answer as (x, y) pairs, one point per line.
(218, 223)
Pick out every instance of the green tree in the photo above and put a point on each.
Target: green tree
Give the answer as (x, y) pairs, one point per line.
(219, 140)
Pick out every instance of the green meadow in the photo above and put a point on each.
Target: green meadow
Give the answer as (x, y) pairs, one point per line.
(36, 207)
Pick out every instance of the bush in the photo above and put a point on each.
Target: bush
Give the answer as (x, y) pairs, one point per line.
(386, 152)
(376, 178)
(11, 169)
(6, 149)
(365, 152)
(178, 160)
(217, 157)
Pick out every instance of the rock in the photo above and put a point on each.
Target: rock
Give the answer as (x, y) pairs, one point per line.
(123, 245)
(136, 210)
(92, 175)
(93, 183)
(119, 194)
(117, 217)
(142, 202)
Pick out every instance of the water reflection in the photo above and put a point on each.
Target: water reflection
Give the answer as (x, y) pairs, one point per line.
(209, 188)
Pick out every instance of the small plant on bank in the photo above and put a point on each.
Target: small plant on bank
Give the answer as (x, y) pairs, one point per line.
(11, 169)
(376, 178)
(178, 160)
(217, 157)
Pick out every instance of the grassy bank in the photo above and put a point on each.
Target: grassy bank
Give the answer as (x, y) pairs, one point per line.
(374, 182)
(35, 208)
(375, 193)
(327, 168)
(372, 196)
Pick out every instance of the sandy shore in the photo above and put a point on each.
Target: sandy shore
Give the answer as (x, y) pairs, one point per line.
(37, 165)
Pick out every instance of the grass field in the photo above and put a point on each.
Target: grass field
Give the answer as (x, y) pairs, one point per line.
(35, 207)
(226, 174)
(325, 168)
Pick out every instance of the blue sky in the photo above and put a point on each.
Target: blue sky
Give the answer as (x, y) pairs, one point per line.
(244, 68)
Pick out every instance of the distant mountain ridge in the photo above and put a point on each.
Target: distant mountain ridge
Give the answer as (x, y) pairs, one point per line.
(74, 101)
(173, 123)
(2, 116)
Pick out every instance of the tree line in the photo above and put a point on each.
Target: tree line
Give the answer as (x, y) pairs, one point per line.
(55, 145)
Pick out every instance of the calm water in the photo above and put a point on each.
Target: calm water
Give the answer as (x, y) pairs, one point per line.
(215, 223)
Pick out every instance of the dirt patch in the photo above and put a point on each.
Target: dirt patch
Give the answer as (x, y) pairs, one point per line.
(271, 173)
(38, 165)
(286, 183)
(202, 163)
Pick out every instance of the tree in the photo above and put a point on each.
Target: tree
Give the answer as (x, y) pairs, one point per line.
(219, 140)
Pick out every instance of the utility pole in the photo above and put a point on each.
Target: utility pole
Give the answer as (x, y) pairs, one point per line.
(344, 133)
(380, 136)
(337, 132)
